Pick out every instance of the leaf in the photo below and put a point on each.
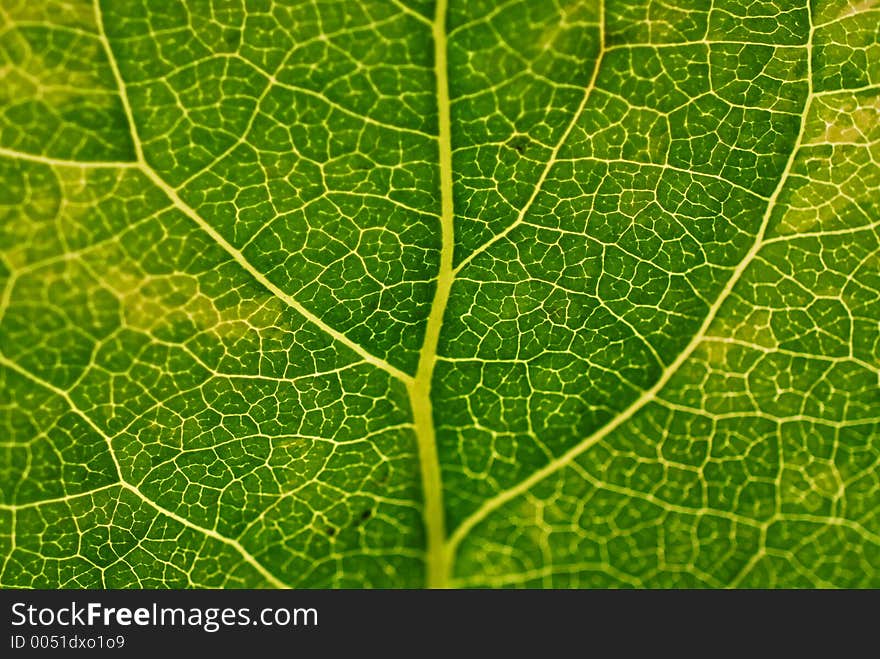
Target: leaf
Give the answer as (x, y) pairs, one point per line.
(384, 293)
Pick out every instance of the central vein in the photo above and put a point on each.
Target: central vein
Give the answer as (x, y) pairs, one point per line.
(437, 558)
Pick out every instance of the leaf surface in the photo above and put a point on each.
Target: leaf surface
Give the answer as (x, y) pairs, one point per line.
(394, 293)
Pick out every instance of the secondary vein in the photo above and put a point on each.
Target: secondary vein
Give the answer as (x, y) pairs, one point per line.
(553, 159)
(649, 395)
(289, 300)
(193, 215)
(124, 484)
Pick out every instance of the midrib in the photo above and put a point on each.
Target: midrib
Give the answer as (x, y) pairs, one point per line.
(440, 550)
(437, 558)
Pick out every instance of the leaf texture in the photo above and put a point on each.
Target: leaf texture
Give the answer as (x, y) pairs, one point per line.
(398, 293)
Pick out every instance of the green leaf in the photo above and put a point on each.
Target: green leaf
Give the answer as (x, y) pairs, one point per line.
(399, 293)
